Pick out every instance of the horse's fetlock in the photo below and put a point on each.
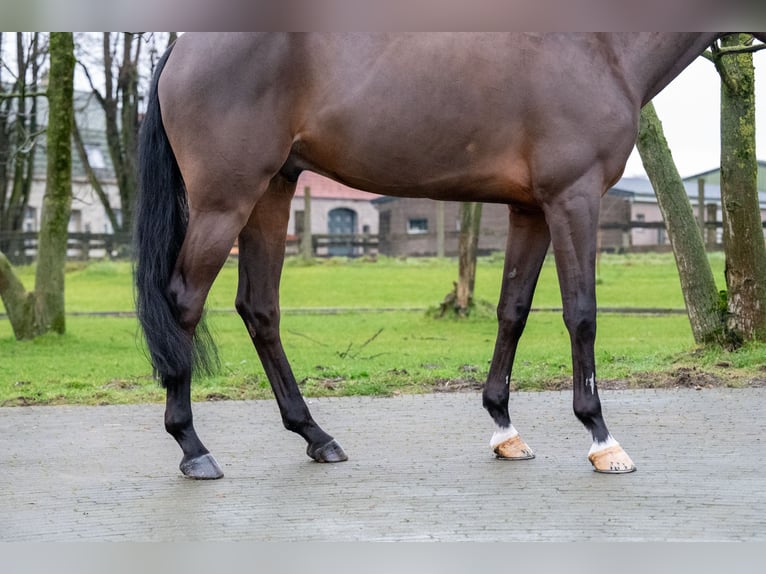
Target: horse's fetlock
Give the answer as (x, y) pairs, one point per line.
(176, 423)
(494, 397)
(587, 410)
(495, 401)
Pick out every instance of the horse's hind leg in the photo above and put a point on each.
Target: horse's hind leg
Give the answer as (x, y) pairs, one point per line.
(261, 255)
(209, 238)
(528, 241)
(573, 220)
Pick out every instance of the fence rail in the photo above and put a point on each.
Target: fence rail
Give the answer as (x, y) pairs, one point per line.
(21, 247)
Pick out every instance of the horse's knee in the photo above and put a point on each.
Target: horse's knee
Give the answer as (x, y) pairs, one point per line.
(581, 321)
(512, 320)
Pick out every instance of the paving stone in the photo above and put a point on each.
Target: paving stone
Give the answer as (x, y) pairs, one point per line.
(420, 469)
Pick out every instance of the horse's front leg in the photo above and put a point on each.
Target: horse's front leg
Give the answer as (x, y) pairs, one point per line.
(528, 241)
(573, 221)
(261, 255)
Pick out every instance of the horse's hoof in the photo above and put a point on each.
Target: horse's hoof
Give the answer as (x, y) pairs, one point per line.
(611, 460)
(329, 452)
(201, 468)
(513, 448)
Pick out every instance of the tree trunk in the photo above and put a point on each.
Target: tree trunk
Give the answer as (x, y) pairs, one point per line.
(697, 283)
(128, 89)
(19, 305)
(470, 224)
(742, 228)
(52, 242)
(307, 238)
(5, 142)
(440, 229)
(33, 314)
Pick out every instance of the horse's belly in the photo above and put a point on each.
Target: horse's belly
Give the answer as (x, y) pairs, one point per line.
(407, 170)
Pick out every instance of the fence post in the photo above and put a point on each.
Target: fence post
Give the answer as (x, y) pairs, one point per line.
(711, 229)
(701, 205)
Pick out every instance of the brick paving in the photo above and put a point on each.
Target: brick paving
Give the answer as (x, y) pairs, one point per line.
(420, 468)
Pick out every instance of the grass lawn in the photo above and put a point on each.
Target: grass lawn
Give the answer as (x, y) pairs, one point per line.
(101, 360)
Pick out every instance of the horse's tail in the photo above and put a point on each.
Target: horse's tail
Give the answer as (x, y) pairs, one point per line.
(161, 217)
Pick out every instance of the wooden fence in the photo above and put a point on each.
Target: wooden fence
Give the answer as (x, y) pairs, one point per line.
(21, 247)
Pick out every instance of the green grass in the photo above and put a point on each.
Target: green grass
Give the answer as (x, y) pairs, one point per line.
(101, 360)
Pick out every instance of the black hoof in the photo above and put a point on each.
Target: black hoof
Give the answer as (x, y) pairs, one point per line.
(201, 468)
(329, 452)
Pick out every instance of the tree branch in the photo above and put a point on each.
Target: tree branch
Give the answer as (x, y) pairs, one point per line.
(90, 172)
(740, 50)
(99, 95)
(726, 77)
(12, 95)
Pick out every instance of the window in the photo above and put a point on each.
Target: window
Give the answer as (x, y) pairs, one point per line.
(30, 219)
(417, 226)
(95, 157)
(75, 221)
(641, 218)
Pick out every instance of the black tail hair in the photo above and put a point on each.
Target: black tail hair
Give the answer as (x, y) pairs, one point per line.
(161, 217)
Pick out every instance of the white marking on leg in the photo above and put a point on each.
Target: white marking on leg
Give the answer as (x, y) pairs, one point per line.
(601, 445)
(591, 381)
(502, 434)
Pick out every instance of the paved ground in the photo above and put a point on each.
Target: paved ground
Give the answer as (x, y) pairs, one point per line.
(419, 469)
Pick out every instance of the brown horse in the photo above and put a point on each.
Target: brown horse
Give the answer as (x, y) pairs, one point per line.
(541, 122)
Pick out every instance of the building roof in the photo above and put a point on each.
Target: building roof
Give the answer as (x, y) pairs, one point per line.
(714, 175)
(325, 188)
(640, 189)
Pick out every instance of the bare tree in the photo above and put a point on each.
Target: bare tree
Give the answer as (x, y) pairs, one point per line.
(119, 95)
(34, 313)
(19, 128)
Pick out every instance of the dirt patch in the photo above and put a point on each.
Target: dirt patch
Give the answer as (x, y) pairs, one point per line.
(457, 385)
(121, 384)
(679, 378)
(19, 402)
(684, 378)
